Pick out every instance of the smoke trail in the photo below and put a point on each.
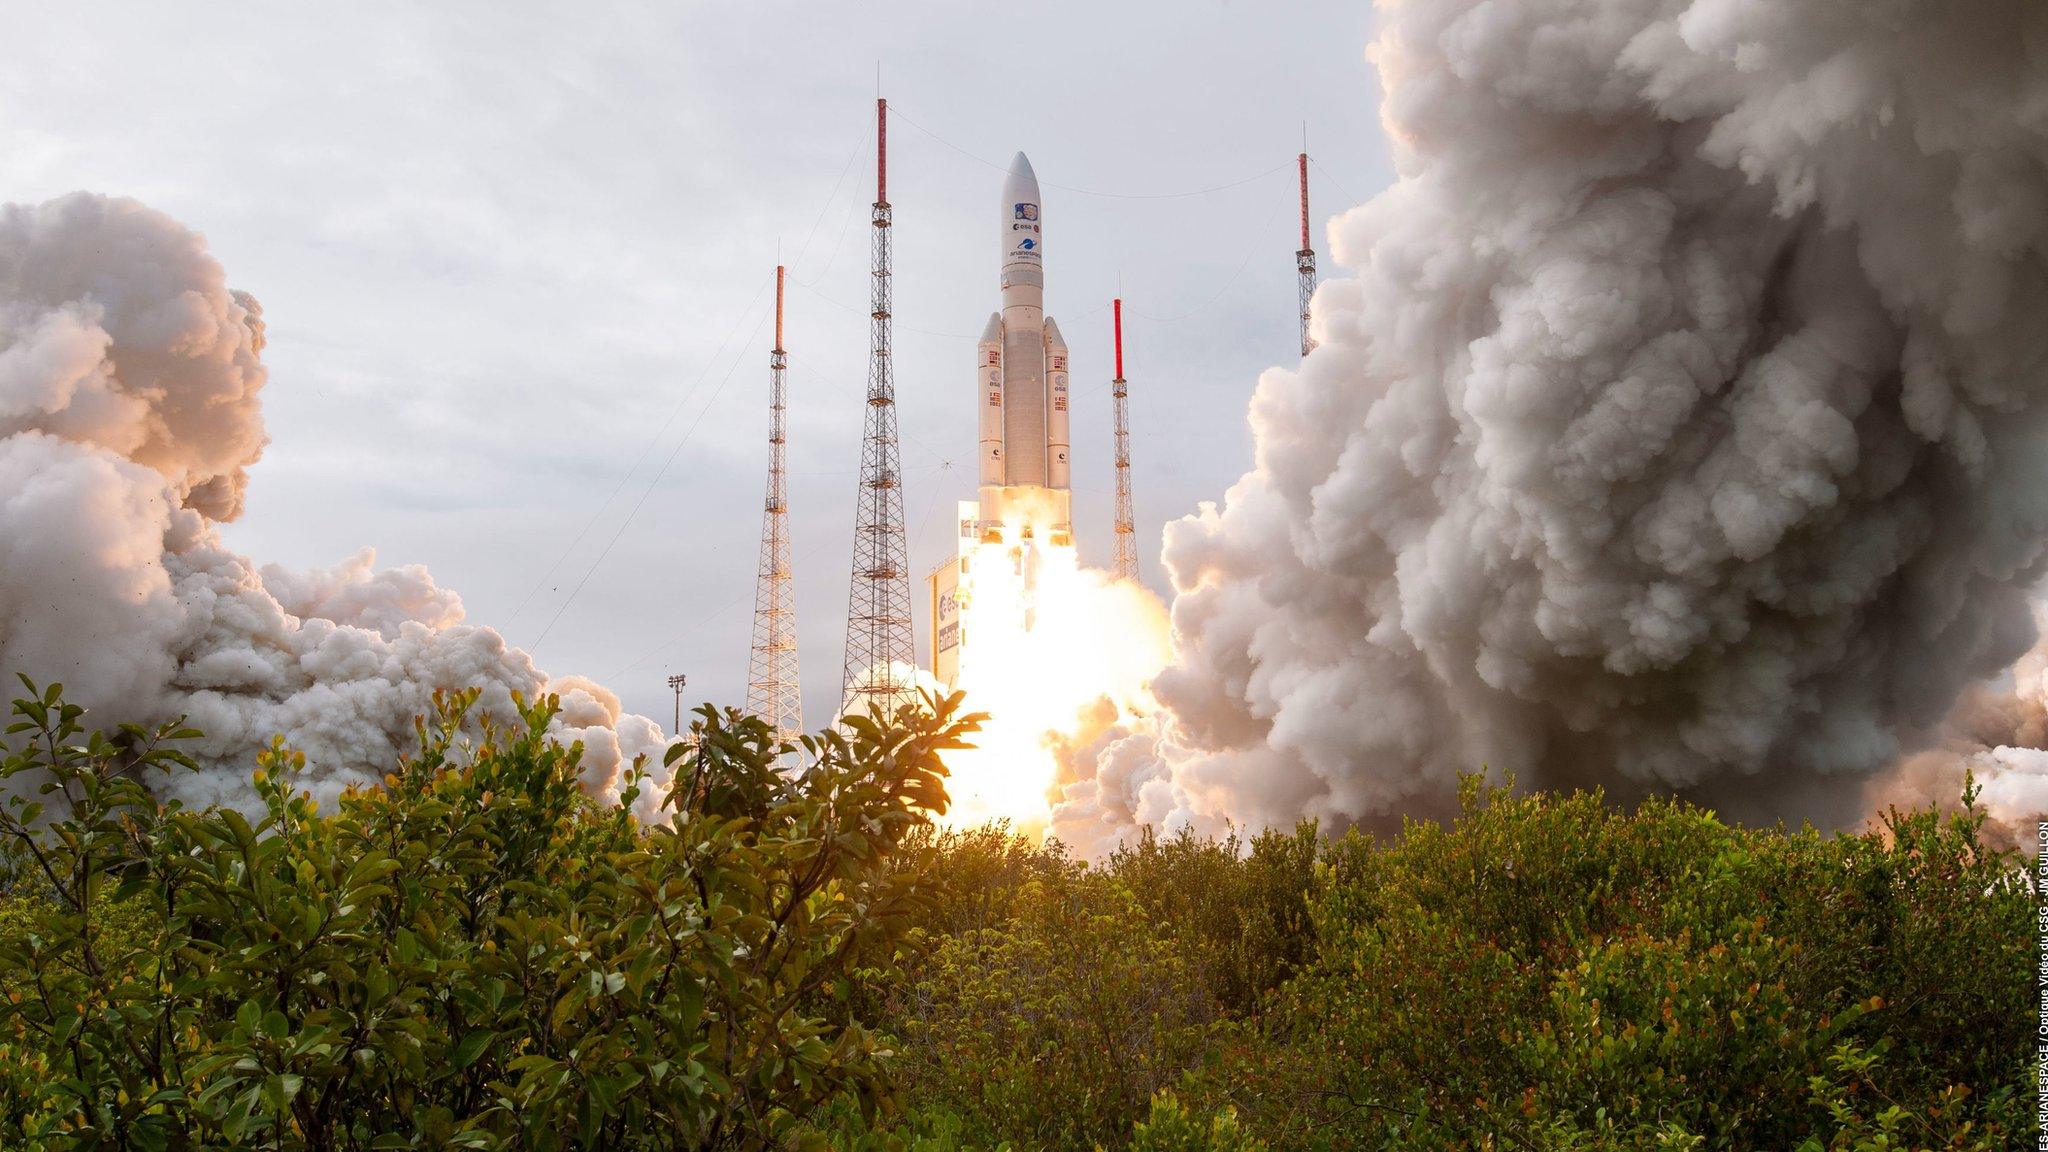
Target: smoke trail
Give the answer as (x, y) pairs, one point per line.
(1681, 427)
(129, 414)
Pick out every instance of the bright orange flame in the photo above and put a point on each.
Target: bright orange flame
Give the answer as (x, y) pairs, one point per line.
(1044, 642)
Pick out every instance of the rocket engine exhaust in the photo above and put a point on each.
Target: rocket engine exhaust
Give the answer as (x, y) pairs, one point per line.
(1050, 649)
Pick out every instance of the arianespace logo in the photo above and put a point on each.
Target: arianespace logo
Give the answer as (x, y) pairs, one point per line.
(1027, 212)
(1027, 244)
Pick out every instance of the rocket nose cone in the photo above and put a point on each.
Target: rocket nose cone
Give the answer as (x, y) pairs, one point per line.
(1022, 186)
(1052, 335)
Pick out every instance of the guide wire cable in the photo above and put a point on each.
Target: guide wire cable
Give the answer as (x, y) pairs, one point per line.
(646, 492)
(645, 451)
(683, 401)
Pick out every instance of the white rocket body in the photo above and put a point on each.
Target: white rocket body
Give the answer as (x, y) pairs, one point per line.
(1022, 374)
(1020, 379)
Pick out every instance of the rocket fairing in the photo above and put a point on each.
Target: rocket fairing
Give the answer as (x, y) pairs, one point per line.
(1022, 376)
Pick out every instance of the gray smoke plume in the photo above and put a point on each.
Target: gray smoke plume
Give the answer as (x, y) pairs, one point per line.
(129, 413)
(1680, 425)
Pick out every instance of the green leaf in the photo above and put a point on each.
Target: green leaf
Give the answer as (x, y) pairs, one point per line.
(470, 1048)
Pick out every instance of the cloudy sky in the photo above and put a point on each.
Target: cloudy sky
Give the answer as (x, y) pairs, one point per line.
(515, 259)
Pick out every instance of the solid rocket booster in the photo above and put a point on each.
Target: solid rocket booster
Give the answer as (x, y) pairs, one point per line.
(991, 355)
(1055, 408)
(1022, 372)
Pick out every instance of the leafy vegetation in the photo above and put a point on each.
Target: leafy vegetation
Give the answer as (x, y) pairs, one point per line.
(476, 956)
(1546, 972)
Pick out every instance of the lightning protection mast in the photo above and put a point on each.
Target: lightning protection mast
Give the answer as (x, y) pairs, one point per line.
(1305, 261)
(773, 688)
(880, 655)
(1126, 567)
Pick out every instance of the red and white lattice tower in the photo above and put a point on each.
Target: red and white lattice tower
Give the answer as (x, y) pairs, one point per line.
(1305, 263)
(773, 691)
(1126, 566)
(880, 653)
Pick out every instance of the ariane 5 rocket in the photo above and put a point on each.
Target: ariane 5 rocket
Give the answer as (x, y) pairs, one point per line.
(1023, 377)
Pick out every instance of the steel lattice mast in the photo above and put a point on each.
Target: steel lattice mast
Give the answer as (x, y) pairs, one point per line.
(1305, 263)
(1126, 566)
(773, 689)
(880, 651)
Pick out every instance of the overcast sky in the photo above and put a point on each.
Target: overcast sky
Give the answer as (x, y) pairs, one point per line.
(515, 261)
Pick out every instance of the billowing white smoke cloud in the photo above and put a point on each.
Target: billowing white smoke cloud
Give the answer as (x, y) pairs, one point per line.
(1682, 426)
(129, 413)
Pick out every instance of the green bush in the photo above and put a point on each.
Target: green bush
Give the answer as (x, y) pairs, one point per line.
(988, 871)
(1609, 979)
(1055, 1030)
(1172, 1128)
(1238, 909)
(474, 956)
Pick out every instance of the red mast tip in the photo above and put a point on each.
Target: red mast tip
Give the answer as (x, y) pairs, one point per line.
(1304, 201)
(1117, 312)
(881, 151)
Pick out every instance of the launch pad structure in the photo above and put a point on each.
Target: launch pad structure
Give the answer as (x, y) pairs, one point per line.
(1305, 262)
(1126, 564)
(881, 654)
(773, 686)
